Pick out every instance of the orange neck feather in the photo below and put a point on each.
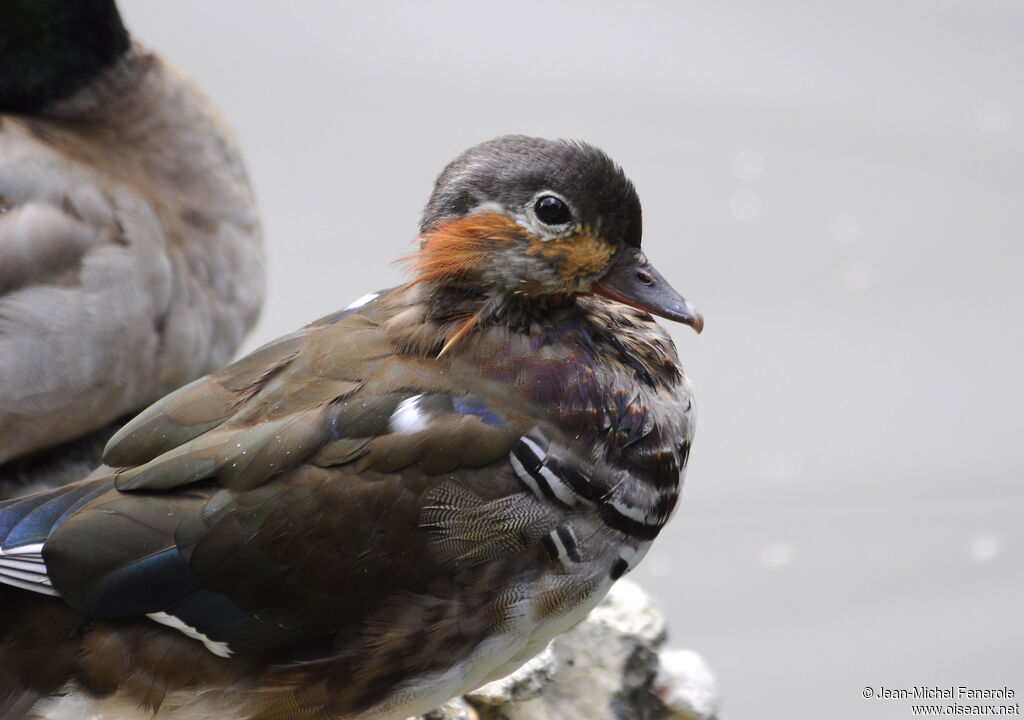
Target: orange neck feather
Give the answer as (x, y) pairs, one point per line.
(453, 249)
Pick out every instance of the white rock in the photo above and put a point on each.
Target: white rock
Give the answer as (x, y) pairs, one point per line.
(686, 686)
(526, 683)
(606, 668)
(454, 709)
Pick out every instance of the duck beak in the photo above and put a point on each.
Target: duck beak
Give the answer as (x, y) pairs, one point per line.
(634, 281)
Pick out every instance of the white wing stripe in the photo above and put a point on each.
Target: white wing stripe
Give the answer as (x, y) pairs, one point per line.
(33, 586)
(6, 571)
(216, 647)
(36, 568)
(559, 487)
(526, 477)
(23, 567)
(35, 549)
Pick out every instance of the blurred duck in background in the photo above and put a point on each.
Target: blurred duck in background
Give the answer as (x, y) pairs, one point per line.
(130, 247)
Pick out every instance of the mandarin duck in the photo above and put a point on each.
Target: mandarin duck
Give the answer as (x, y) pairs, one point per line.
(130, 249)
(389, 507)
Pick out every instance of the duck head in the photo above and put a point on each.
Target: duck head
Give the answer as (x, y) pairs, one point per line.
(541, 221)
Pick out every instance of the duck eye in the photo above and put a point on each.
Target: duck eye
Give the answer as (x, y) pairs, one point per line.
(552, 211)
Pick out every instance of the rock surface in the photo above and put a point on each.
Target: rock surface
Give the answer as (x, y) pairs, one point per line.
(609, 667)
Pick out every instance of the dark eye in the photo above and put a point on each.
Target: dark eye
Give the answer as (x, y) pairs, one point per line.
(552, 211)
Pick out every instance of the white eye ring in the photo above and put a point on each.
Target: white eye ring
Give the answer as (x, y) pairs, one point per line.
(552, 209)
(548, 227)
